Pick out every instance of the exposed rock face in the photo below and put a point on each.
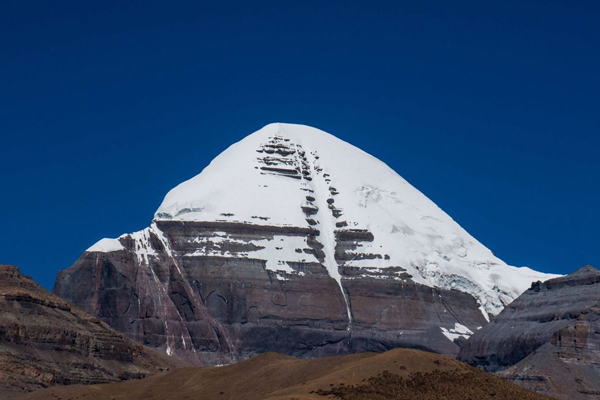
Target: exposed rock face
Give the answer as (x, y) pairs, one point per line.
(216, 309)
(548, 339)
(44, 341)
(296, 242)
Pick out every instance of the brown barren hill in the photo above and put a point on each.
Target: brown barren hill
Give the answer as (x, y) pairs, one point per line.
(45, 341)
(397, 374)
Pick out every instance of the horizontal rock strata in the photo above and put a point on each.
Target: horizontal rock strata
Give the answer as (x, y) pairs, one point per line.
(45, 341)
(215, 308)
(548, 339)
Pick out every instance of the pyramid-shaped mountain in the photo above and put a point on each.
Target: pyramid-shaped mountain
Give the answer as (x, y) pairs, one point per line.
(294, 241)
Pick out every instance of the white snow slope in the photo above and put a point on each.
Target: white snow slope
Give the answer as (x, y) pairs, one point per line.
(408, 227)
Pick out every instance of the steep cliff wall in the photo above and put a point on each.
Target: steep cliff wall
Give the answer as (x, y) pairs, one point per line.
(45, 341)
(548, 339)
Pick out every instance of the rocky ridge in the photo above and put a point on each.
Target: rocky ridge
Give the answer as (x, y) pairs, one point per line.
(45, 341)
(548, 339)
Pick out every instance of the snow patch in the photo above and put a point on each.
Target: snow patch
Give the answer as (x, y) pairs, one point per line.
(142, 246)
(485, 313)
(106, 245)
(458, 331)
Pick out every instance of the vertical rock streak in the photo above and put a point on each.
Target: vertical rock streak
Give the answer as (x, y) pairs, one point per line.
(158, 291)
(193, 296)
(174, 262)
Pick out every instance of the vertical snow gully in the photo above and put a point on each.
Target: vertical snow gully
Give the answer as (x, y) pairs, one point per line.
(326, 222)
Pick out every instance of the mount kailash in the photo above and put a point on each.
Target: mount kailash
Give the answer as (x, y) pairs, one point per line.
(294, 241)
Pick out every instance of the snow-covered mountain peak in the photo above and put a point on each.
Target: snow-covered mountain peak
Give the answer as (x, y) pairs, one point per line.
(334, 205)
(296, 175)
(268, 167)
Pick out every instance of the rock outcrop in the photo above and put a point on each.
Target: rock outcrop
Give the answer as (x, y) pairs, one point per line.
(45, 341)
(548, 339)
(296, 242)
(215, 310)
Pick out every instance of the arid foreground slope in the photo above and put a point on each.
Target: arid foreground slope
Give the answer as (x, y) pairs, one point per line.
(397, 374)
(45, 341)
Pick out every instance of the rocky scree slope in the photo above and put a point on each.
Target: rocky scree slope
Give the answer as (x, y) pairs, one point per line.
(294, 241)
(45, 341)
(548, 339)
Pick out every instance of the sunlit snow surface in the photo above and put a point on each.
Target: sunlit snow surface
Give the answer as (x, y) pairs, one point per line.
(457, 332)
(251, 183)
(106, 246)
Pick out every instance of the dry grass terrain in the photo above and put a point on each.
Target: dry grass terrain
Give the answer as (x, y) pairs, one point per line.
(397, 374)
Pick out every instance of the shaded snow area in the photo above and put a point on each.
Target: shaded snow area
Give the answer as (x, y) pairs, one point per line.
(288, 175)
(458, 331)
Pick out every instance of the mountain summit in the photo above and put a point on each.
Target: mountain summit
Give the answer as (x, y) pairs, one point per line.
(336, 187)
(289, 231)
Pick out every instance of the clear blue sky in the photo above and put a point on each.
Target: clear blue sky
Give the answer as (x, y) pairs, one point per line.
(492, 109)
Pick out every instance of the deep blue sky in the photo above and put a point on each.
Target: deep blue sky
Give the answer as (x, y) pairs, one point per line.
(492, 109)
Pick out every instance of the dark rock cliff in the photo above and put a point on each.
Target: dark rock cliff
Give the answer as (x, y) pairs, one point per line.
(45, 341)
(212, 309)
(548, 339)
